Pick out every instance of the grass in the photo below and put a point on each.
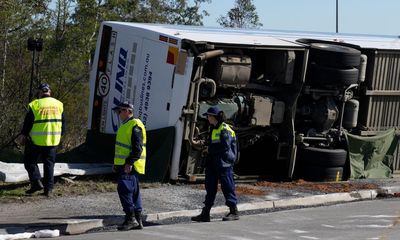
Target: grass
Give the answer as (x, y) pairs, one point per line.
(64, 186)
(11, 192)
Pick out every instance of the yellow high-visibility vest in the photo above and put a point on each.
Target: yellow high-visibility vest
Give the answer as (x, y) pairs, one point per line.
(215, 134)
(47, 124)
(123, 145)
(229, 157)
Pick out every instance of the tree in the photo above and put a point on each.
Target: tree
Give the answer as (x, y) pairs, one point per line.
(153, 11)
(69, 29)
(242, 15)
(20, 19)
(179, 12)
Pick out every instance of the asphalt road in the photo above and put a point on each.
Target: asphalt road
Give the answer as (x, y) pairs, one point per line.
(377, 219)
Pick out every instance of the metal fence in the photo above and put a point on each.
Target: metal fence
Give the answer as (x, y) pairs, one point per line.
(380, 95)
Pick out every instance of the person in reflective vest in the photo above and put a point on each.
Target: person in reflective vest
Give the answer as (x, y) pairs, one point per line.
(129, 161)
(221, 156)
(43, 127)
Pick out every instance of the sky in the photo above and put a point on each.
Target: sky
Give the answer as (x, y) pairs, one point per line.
(377, 17)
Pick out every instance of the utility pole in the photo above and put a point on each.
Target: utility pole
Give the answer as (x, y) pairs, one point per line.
(337, 16)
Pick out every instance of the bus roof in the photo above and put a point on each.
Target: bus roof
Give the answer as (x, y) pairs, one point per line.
(260, 37)
(212, 35)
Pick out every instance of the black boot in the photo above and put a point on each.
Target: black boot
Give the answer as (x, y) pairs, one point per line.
(128, 224)
(138, 217)
(232, 215)
(204, 215)
(48, 193)
(35, 186)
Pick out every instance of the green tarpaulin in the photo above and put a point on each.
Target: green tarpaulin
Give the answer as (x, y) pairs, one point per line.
(371, 157)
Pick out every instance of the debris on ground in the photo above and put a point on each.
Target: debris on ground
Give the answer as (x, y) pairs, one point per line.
(240, 189)
(259, 188)
(325, 187)
(248, 190)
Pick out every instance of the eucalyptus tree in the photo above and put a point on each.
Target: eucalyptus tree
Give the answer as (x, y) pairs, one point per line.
(69, 30)
(242, 15)
(19, 19)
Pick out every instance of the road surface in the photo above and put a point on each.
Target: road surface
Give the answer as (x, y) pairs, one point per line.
(377, 219)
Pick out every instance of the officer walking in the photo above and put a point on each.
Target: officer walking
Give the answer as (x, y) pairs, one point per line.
(222, 154)
(43, 127)
(129, 161)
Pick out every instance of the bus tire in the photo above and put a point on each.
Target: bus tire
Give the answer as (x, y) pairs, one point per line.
(334, 55)
(322, 174)
(321, 157)
(309, 41)
(333, 76)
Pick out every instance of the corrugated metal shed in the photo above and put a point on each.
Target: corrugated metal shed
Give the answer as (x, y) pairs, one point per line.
(380, 109)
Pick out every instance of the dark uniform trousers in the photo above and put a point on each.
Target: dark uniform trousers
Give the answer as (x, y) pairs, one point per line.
(225, 176)
(129, 191)
(31, 157)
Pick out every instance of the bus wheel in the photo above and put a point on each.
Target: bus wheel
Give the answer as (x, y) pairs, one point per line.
(321, 157)
(333, 76)
(334, 55)
(322, 174)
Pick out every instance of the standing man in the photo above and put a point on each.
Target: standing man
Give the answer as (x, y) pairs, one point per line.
(222, 154)
(129, 161)
(42, 131)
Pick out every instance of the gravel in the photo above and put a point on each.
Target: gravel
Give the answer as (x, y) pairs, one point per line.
(158, 198)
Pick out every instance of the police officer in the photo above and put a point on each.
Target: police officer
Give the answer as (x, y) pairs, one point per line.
(129, 161)
(222, 153)
(43, 127)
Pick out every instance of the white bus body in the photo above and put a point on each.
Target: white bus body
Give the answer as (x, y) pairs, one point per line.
(172, 74)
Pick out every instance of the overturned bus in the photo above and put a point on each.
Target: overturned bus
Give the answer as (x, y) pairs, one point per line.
(288, 96)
